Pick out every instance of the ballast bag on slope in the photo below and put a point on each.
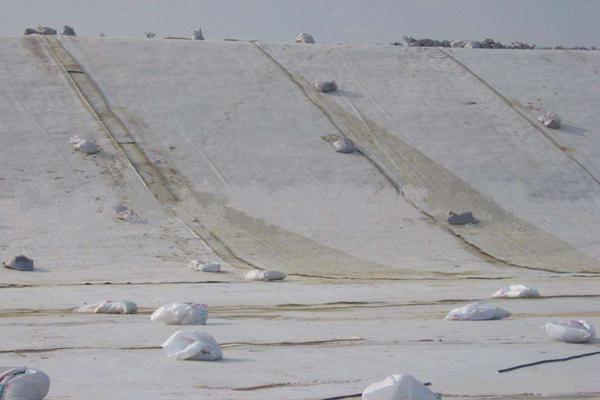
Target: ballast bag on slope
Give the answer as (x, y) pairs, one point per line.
(259, 275)
(205, 266)
(479, 311)
(22, 383)
(190, 345)
(181, 314)
(398, 387)
(570, 331)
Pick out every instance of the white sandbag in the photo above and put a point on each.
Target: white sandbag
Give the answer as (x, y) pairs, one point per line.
(514, 291)
(304, 38)
(181, 314)
(478, 311)
(344, 145)
(109, 307)
(550, 120)
(326, 86)
(22, 383)
(190, 345)
(85, 146)
(205, 266)
(570, 331)
(260, 275)
(398, 387)
(19, 263)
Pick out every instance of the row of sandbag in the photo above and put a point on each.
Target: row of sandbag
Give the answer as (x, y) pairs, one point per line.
(573, 331)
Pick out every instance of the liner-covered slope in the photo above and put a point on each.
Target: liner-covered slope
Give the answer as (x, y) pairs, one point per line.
(226, 116)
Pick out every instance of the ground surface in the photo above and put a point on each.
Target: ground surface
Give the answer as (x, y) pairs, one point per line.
(222, 150)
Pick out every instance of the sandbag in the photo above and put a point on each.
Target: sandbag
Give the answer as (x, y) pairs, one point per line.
(515, 291)
(109, 307)
(190, 345)
(304, 38)
(19, 263)
(398, 387)
(477, 311)
(344, 145)
(22, 383)
(198, 35)
(260, 275)
(181, 314)
(570, 331)
(466, 218)
(46, 30)
(85, 146)
(326, 86)
(68, 31)
(205, 266)
(550, 120)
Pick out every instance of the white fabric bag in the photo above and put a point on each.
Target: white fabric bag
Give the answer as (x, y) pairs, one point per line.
(570, 331)
(478, 311)
(398, 387)
(190, 345)
(181, 314)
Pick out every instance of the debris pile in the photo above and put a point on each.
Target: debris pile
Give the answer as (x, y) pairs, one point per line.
(190, 345)
(40, 30)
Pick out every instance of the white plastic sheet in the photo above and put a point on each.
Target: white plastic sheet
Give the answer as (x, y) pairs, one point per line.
(260, 275)
(570, 331)
(477, 311)
(398, 387)
(181, 314)
(190, 345)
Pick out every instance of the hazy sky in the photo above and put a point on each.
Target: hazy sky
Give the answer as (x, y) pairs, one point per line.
(546, 22)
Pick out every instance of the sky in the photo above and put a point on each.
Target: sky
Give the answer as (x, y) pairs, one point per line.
(542, 22)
